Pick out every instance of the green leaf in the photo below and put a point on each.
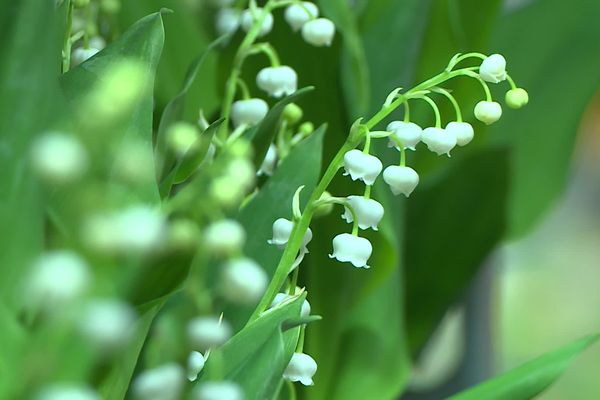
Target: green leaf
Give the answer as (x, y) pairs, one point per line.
(530, 379)
(264, 134)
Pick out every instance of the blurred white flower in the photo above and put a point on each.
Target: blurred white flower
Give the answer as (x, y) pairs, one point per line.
(248, 20)
(270, 162)
(438, 140)
(195, 365)
(107, 324)
(282, 229)
(58, 158)
(318, 32)
(488, 112)
(281, 297)
(353, 249)
(362, 166)
(208, 332)
(408, 133)
(243, 281)
(463, 131)
(249, 112)
(226, 236)
(181, 136)
(368, 211)
(223, 390)
(277, 81)
(63, 391)
(81, 54)
(493, 69)
(296, 15)
(227, 20)
(160, 383)
(401, 179)
(301, 368)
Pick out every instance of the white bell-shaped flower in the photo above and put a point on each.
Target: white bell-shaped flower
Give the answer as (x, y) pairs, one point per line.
(195, 365)
(277, 81)
(81, 54)
(362, 166)
(282, 229)
(493, 69)
(205, 333)
(57, 278)
(408, 133)
(353, 249)
(270, 162)
(368, 211)
(301, 368)
(243, 281)
(58, 158)
(488, 112)
(248, 20)
(66, 392)
(223, 390)
(249, 111)
(318, 32)
(438, 140)
(401, 179)
(160, 383)
(296, 15)
(463, 131)
(281, 297)
(227, 20)
(107, 324)
(224, 237)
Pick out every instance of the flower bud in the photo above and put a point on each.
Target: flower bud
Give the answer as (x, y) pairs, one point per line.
(223, 390)
(292, 113)
(161, 383)
(249, 112)
(107, 324)
(408, 133)
(181, 136)
(248, 20)
(184, 235)
(517, 98)
(277, 81)
(306, 128)
(281, 297)
(463, 131)
(318, 32)
(353, 249)
(368, 211)
(301, 368)
(282, 229)
(58, 158)
(438, 140)
(205, 333)
(80, 55)
(401, 179)
(227, 20)
(67, 392)
(98, 42)
(195, 365)
(296, 15)
(270, 162)
(243, 281)
(324, 209)
(493, 69)
(488, 112)
(57, 278)
(224, 237)
(362, 166)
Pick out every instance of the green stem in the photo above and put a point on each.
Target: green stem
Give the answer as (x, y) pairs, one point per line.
(406, 111)
(486, 89)
(67, 39)
(367, 194)
(452, 100)
(436, 111)
(511, 82)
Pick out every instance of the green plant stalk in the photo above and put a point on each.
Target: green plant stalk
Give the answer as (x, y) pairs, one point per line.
(66, 59)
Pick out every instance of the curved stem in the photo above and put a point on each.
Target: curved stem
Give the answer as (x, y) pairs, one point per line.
(486, 89)
(367, 194)
(66, 64)
(406, 111)
(511, 82)
(266, 49)
(455, 61)
(436, 110)
(243, 88)
(452, 100)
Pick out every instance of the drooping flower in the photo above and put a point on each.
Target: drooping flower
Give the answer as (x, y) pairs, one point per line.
(301, 368)
(368, 211)
(362, 166)
(493, 69)
(243, 281)
(488, 112)
(270, 162)
(277, 81)
(161, 383)
(224, 237)
(438, 140)
(195, 365)
(296, 15)
(61, 391)
(82, 54)
(401, 179)
(282, 229)
(58, 158)
(463, 131)
(517, 98)
(249, 111)
(218, 390)
(353, 249)
(205, 333)
(280, 297)
(247, 20)
(408, 133)
(318, 32)
(107, 324)
(227, 20)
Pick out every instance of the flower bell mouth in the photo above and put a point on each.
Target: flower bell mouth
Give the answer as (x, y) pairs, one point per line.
(407, 133)
(401, 179)
(353, 249)
(296, 15)
(319, 32)
(277, 81)
(369, 212)
(493, 69)
(301, 368)
(488, 112)
(463, 131)
(438, 140)
(362, 166)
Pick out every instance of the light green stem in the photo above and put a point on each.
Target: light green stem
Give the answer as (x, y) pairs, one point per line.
(66, 64)
(452, 100)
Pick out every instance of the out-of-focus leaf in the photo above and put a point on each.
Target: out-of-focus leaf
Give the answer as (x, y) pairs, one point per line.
(264, 134)
(530, 379)
(256, 357)
(561, 79)
(453, 221)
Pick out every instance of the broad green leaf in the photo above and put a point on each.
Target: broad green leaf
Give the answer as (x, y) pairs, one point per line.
(530, 379)
(543, 133)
